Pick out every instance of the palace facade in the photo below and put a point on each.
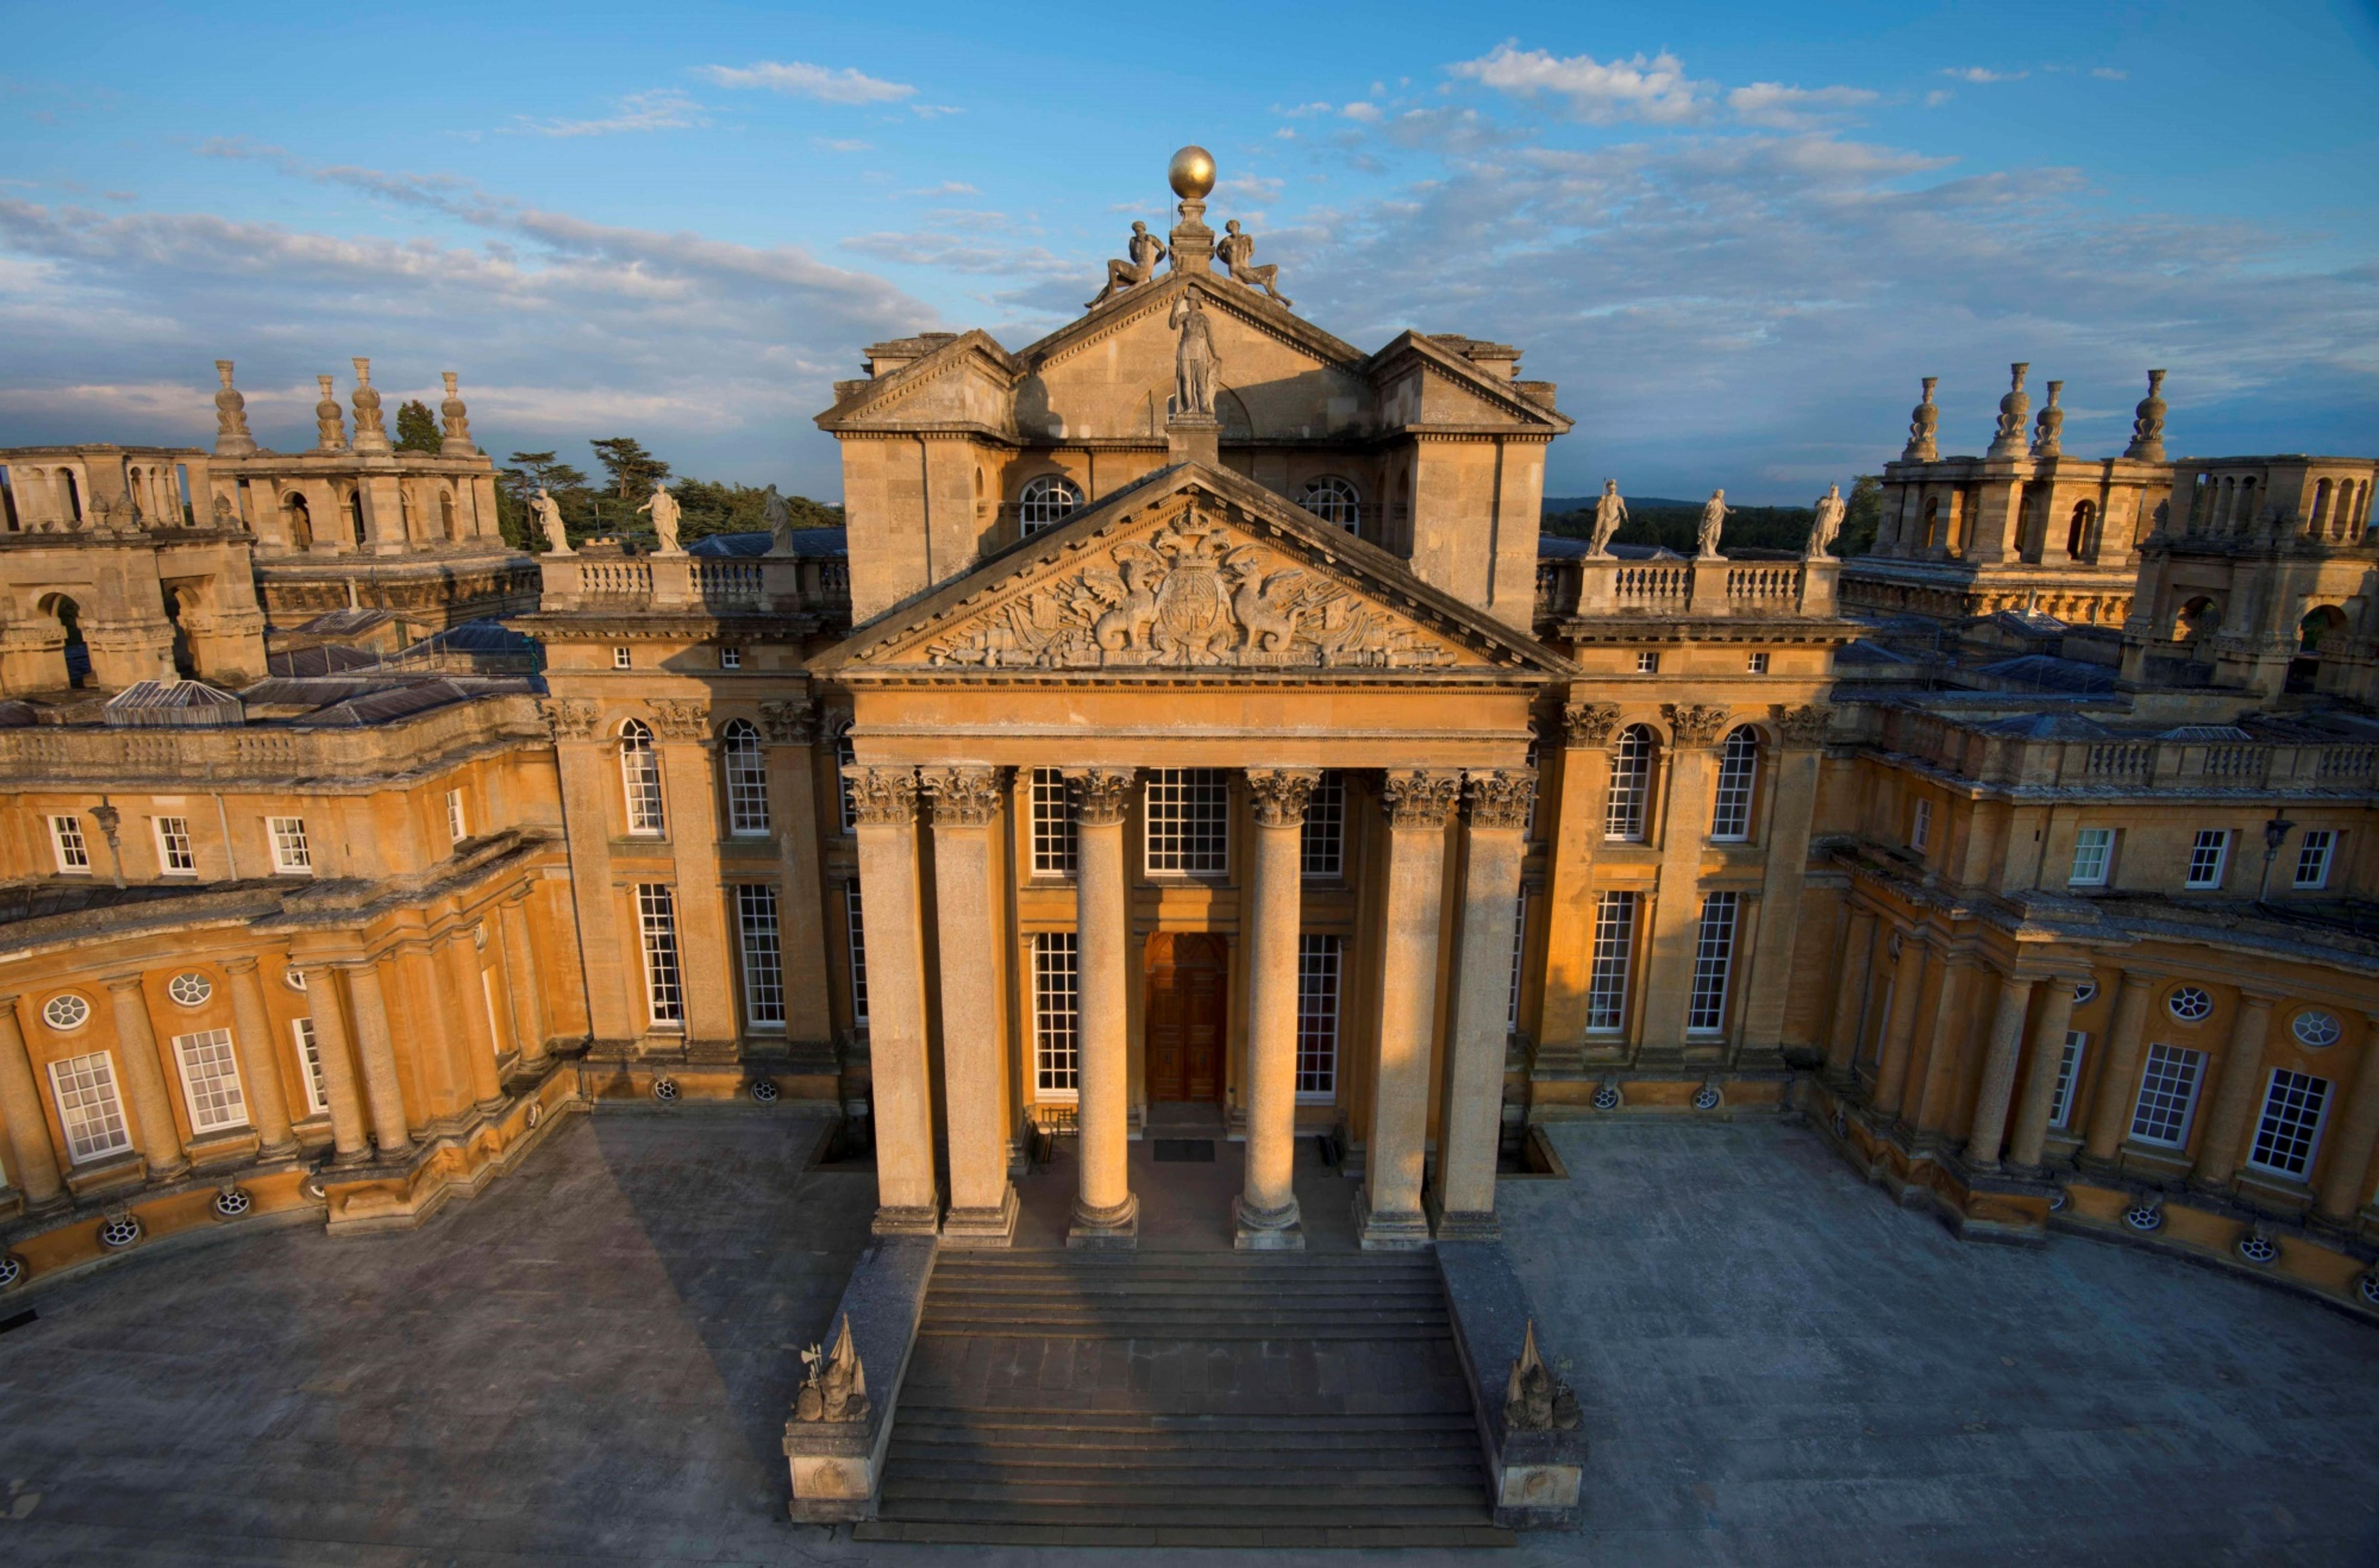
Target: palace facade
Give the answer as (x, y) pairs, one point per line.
(1151, 748)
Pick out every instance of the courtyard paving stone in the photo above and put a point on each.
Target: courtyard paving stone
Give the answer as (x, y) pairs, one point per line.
(590, 1364)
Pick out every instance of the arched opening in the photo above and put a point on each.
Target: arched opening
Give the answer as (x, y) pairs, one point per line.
(183, 664)
(2200, 499)
(1626, 810)
(1738, 779)
(69, 497)
(743, 779)
(2322, 623)
(640, 778)
(298, 521)
(356, 516)
(2244, 518)
(1045, 501)
(2320, 508)
(446, 515)
(1335, 501)
(132, 489)
(69, 619)
(2077, 532)
(2196, 618)
(9, 500)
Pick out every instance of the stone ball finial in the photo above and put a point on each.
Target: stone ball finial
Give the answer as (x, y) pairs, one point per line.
(1192, 174)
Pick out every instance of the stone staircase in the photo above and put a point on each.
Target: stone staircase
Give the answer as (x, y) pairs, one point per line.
(1184, 1399)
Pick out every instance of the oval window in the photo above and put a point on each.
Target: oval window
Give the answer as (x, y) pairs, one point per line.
(2316, 1029)
(2189, 1003)
(189, 988)
(67, 1011)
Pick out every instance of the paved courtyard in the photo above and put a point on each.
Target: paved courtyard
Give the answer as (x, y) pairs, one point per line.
(589, 1364)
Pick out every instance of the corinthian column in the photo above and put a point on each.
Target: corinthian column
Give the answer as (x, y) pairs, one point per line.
(983, 1202)
(906, 1202)
(1105, 1212)
(2235, 1098)
(152, 1107)
(268, 1104)
(1473, 1116)
(1387, 1211)
(35, 1165)
(1267, 1212)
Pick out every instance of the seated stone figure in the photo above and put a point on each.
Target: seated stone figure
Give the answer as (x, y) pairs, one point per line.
(1145, 251)
(1238, 251)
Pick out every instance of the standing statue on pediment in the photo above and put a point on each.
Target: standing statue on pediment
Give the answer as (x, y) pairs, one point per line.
(1145, 251)
(1194, 362)
(549, 517)
(665, 510)
(1610, 516)
(1714, 512)
(778, 518)
(1238, 251)
(1827, 522)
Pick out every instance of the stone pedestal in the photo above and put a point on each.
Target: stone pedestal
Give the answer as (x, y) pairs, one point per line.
(1533, 1476)
(837, 1466)
(1194, 438)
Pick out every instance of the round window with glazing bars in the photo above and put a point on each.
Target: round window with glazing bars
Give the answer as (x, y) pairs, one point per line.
(1333, 500)
(1045, 501)
(66, 1011)
(2189, 1003)
(2315, 1028)
(190, 988)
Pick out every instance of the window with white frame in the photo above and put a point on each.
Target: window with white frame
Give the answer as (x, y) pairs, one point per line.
(1321, 965)
(176, 855)
(1519, 951)
(73, 849)
(458, 825)
(1648, 663)
(855, 930)
(763, 945)
(2290, 1124)
(747, 778)
(1920, 826)
(291, 854)
(2168, 1095)
(2068, 1071)
(1333, 500)
(1713, 957)
(1323, 849)
(2093, 853)
(1631, 785)
(1615, 949)
(310, 1054)
(1045, 501)
(2313, 857)
(619, 659)
(88, 1107)
(2207, 856)
(1056, 1016)
(657, 924)
(210, 1080)
(1738, 768)
(1756, 664)
(640, 779)
(1188, 820)
(1053, 825)
(731, 658)
(846, 757)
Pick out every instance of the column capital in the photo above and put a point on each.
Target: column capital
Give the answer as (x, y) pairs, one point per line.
(1801, 728)
(123, 981)
(1101, 795)
(965, 796)
(1421, 798)
(1587, 725)
(681, 719)
(2262, 1000)
(1693, 724)
(883, 796)
(1280, 794)
(788, 722)
(1502, 797)
(2145, 979)
(244, 963)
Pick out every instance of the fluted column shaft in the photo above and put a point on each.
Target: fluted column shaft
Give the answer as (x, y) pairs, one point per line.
(983, 1202)
(1899, 1026)
(34, 1165)
(348, 1143)
(2348, 1181)
(460, 957)
(521, 982)
(2235, 1098)
(2040, 1080)
(1267, 1212)
(376, 1053)
(1388, 1213)
(1858, 956)
(907, 1201)
(1464, 1201)
(1105, 1211)
(1989, 1129)
(268, 1104)
(2110, 1111)
(155, 1133)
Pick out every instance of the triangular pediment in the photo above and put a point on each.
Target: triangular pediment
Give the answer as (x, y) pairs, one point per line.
(1192, 572)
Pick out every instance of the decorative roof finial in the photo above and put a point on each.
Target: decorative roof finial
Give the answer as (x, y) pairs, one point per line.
(1192, 174)
(330, 420)
(2147, 423)
(371, 426)
(232, 439)
(2013, 406)
(1923, 421)
(2050, 427)
(455, 440)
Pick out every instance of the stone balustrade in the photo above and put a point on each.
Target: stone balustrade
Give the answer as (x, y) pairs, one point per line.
(2123, 765)
(711, 584)
(1592, 588)
(84, 754)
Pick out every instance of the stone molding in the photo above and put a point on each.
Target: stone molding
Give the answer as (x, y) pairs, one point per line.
(1801, 727)
(1589, 725)
(962, 797)
(1101, 795)
(1693, 724)
(1280, 794)
(1501, 798)
(1421, 798)
(883, 797)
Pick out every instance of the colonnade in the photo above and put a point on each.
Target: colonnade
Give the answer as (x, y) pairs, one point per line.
(1391, 1209)
(2008, 1125)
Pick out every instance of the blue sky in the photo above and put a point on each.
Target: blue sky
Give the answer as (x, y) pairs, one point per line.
(1735, 234)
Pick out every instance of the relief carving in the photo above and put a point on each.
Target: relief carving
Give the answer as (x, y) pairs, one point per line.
(1589, 725)
(962, 797)
(680, 718)
(571, 720)
(1188, 598)
(1421, 799)
(883, 796)
(1693, 724)
(788, 721)
(1501, 798)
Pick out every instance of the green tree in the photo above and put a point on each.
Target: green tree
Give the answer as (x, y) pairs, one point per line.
(416, 427)
(1862, 515)
(518, 484)
(634, 470)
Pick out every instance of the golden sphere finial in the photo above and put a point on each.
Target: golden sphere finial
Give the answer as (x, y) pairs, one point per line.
(1192, 174)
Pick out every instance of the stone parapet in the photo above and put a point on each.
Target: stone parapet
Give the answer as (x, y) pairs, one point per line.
(612, 581)
(332, 760)
(1595, 587)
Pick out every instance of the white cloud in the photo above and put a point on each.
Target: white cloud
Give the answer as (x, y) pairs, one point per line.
(1938, 96)
(1299, 111)
(662, 109)
(2109, 73)
(1982, 75)
(1654, 89)
(801, 79)
(1774, 105)
(1258, 188)
(947, 187)
(841, 143)
(1366, 112)
(934, 111)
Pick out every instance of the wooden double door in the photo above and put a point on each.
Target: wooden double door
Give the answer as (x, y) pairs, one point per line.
(1187, 1016)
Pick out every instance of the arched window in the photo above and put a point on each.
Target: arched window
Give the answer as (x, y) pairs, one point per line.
(132, 490)
(845, 756)
(1631, 784)
(356, 514)
(1738, 768)
(2321, 508)
(2077, 533)
(72, 493)
(446, 515)
(1045, 501)
(1333, 500)
(1932, 524)
(640, 776)
(298, 521)
(746, 780)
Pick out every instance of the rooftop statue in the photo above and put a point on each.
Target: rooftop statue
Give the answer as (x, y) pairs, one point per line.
(1714, 512)
(1828, 521)
(1194, 362)
(1238, 251)
(1610, 515)
(1145, 251)
(665, 510)
(779, 518)
(549, 517)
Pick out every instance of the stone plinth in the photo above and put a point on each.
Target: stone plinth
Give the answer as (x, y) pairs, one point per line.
(1533, 1475)
(837, 1466)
